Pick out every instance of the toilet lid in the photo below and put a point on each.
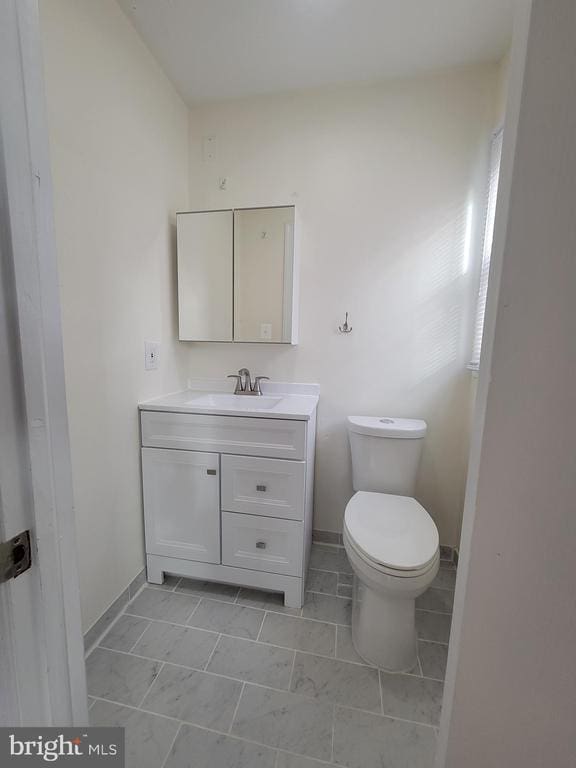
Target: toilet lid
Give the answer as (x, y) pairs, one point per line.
(393, 531)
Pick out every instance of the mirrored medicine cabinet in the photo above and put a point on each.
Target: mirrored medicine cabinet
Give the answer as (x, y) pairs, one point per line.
(237, 275)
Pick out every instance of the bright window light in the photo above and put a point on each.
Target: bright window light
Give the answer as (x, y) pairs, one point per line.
(495, 156)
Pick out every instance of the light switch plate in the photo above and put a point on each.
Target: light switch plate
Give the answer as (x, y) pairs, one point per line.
(151, 355)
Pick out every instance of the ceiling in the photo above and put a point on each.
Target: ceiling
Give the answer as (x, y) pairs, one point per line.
(225, 49)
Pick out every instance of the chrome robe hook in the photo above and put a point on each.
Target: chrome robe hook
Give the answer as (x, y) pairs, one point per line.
(345, 328)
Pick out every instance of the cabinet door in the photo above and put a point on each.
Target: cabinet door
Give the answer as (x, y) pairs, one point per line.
(204, 242)
(182, 504)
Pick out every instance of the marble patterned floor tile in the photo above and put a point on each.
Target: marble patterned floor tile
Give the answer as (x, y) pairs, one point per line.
(198, 748)
(300, 634)
(346, 578)
(193, 696)
(433, 626)
(440, 600)
(337, 610)
(322, 581)
(229, 618)
(288, 760)
(344, 590)
(433, 658)
(445, 579)
(339, 682)
(411, 698)
(119, 676)
(268, 601)
(253, 662)
(285, 720)
(169, 583)
(163, 605)
(124, 633)
(325, 557)
(362, 740)
(148, 737)
(214, 589)
(178, 645)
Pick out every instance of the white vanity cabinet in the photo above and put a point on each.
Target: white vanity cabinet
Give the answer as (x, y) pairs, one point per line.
(228, 498)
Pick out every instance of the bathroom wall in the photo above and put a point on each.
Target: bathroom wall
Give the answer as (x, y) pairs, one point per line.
(118, 136)
(389, 182)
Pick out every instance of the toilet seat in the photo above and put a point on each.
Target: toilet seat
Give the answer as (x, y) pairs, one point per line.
(393, 534)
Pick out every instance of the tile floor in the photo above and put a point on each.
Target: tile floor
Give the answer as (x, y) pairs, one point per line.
(203, 675)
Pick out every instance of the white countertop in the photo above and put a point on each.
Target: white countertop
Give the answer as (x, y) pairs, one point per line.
(298, 401)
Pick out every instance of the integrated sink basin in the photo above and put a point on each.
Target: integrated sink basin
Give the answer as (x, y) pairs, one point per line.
(235, 402)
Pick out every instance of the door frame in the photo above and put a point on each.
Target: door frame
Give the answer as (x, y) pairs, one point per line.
(56, 672)
(522, 15)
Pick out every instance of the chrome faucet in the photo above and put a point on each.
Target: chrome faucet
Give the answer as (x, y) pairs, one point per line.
(244, 383)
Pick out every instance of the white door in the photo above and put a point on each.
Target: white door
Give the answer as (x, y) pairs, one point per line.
(42, 677)
(182, 504)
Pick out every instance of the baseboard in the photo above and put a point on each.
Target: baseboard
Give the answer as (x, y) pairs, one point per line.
(101, 625)
(448, 553)
(326, 537)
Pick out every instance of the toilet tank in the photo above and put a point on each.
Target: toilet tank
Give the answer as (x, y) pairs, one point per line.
(385, 453)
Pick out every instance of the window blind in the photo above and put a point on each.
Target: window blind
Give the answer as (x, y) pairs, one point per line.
(492, 192)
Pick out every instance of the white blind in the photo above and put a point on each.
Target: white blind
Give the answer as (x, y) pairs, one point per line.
(495, 155)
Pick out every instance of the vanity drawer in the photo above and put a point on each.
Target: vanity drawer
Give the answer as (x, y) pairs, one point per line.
(271, 487)
(275, 438)
(262, 543)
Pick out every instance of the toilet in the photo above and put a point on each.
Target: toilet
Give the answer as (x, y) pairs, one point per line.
(390, 539)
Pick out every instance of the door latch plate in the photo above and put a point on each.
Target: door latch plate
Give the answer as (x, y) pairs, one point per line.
(15, 556)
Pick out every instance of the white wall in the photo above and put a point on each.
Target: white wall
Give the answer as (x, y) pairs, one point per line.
(512, 672)
(383, 177)
(118, 135)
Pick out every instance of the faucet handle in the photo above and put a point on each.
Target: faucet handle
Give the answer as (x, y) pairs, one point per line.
(238, 387)
(256, 386)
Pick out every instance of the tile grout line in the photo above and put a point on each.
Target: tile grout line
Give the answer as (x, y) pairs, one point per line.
(236, 708)
(333, 733)
(212, 652)
(261, 627)
(171, 747)
(194, 610)
(292, 673)
(162, 664)
(138, 640)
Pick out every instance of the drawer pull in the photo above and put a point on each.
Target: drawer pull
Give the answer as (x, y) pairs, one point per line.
(260, 487)
(210, 471)
(260, 545)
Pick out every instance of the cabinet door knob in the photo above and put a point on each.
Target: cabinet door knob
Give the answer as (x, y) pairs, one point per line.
(260, 545)
(260, 487)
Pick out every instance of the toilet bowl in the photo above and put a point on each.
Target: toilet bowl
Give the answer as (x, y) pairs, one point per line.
(392, 544)
(390, 539)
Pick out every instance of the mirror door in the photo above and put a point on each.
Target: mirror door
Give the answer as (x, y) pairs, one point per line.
(205, 271)
(263, 267)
